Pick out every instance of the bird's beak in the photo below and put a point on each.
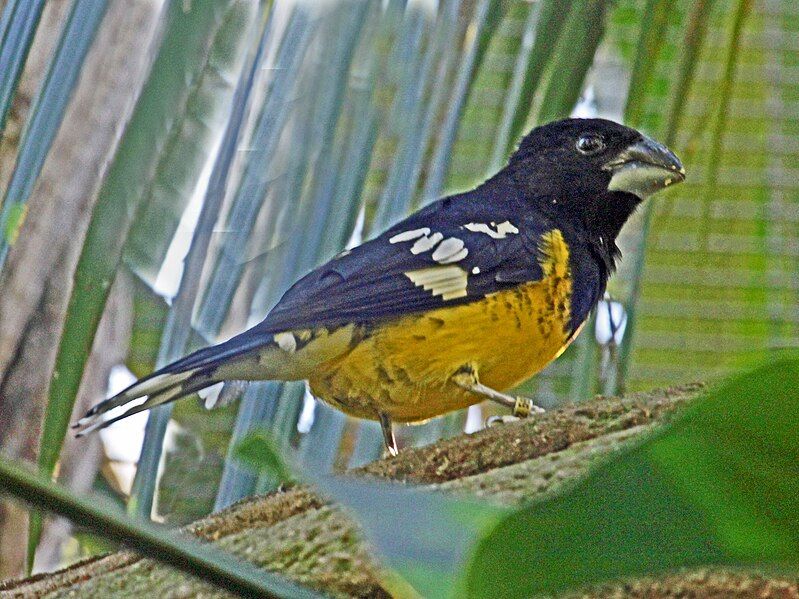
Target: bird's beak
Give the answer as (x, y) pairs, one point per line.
(643, 168)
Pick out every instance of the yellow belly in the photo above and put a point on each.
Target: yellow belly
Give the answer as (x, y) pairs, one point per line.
(403, 367)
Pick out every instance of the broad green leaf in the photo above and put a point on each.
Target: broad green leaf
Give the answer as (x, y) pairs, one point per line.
(720, 486)
(259, 452)
(158, 121)
(425, 537)
(103, 518)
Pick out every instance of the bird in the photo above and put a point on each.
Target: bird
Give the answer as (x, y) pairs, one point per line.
(457, 303)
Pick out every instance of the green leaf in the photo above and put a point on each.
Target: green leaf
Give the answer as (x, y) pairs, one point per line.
(253, 194)
(692, 42)
(188, 150)
(158, 121)
(150, 312)
(308, 204)
(695, 31)
(150, 315)
(717, 487)
(424, 536)
(105, 519)
(14, 222)
(572, 58)
(651, 38)
(552, 15)
(488, 15)
(721, 126)
(259, 451)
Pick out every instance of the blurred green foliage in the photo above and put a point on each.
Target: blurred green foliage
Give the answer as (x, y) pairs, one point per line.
(261, 453)
(716, 487)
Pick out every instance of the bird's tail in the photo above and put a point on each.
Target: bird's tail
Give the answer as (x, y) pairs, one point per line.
(188, 375)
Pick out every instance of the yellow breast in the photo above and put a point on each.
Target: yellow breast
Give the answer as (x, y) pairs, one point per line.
(403, 367)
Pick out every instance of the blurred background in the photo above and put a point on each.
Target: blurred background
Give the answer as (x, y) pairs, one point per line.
(169, 167)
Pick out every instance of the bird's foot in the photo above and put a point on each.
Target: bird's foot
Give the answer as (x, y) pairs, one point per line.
(389, 452)
(522, 408)
(390, 442)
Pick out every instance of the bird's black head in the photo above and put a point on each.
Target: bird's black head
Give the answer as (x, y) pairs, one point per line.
(593, 171)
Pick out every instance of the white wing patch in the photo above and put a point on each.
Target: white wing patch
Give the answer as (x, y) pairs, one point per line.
(445, 251)
(447, 281)
(426, 243)
(286, 341)
(450, 250)
(410, 235)
(493, 230)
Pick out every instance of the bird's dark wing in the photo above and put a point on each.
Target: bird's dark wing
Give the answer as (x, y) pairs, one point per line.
(440, 256)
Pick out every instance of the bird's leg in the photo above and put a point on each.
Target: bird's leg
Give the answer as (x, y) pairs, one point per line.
(466, 378)
(521, 407)
(388, 434)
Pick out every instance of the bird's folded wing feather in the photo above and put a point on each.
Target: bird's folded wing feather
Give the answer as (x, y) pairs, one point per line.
(428, 261)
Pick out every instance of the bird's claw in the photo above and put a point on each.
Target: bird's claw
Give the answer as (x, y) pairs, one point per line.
(389, 452)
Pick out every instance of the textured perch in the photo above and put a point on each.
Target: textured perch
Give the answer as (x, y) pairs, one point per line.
(297, 533)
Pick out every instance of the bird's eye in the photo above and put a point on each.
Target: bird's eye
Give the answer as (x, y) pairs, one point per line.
(590, 144)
